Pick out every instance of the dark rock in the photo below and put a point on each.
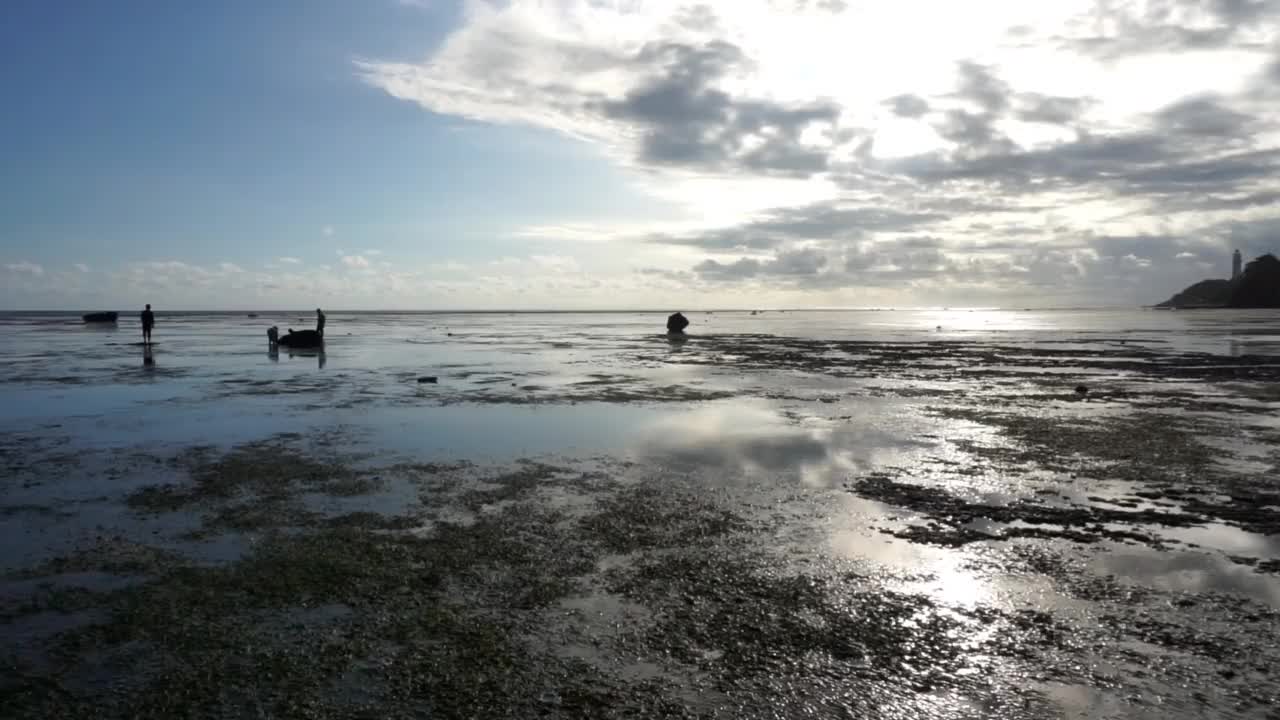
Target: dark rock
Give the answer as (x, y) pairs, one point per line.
(428, 379)
(1206, 293)
(676, 323)
(1259, 285)
(101, 317)
(1081, 390)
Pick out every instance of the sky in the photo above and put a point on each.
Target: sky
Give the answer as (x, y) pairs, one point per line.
(611, 154)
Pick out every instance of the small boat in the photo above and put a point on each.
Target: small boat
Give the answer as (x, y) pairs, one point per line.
(302, 339)
(101, 317)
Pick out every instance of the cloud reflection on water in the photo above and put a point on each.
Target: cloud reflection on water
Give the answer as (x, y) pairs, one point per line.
(751, 441)
(732, 442)
(1191, 572)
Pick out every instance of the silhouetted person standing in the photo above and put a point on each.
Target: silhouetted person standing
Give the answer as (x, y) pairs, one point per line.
(319, 323)
(148, 321)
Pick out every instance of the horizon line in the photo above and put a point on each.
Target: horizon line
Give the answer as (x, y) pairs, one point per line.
(505, 311)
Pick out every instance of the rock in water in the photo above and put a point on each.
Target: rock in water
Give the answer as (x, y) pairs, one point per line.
(1206, 293)
(1259, 285)
(676, 323)
(1082, 390)
(428, 379)
(101, 317)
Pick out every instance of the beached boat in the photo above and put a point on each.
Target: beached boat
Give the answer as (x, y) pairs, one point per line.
(101, 317)
(302, 339)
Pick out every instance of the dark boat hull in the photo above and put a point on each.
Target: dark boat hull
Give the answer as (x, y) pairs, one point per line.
(101, 317)
(302, 339)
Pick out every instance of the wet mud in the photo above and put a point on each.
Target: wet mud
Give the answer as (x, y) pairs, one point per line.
(810, 529)
(606, 590)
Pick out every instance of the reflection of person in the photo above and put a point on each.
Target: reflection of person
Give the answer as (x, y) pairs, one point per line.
(148, 320)
(148, 362)
(319, 322)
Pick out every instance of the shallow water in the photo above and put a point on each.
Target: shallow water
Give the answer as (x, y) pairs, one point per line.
(885, 460)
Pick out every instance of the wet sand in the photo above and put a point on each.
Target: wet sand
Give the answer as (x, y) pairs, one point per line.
(920, 524)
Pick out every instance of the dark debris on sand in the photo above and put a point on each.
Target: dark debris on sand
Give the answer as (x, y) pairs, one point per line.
(541, 589)
(469, 614)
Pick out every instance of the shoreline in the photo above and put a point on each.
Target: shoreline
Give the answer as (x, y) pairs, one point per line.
(799, 526)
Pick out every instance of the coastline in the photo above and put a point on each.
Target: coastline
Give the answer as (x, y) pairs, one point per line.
(750, 526)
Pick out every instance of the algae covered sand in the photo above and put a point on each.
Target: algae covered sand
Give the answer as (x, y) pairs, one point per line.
(612, 588)
(882, 530)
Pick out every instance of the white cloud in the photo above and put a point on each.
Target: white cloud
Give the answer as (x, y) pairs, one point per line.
(641, 79)
(25, 268)
(555, 263)
(82, 267)
(1089, 151)
(227, 267)
(830, 152)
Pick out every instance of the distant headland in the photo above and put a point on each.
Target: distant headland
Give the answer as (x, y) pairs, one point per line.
(1257, 285)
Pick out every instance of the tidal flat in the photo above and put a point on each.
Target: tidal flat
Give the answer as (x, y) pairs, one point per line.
(911, 515)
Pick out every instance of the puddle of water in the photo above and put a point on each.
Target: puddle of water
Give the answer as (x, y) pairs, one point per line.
(1192, 572)
(25, 633)
(607, 608)
(497, 432)
(751, 440)
(1227, 539)
(1083, 701)
(90, 580)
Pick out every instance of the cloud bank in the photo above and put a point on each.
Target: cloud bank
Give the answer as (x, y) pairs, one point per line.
(1076, 152)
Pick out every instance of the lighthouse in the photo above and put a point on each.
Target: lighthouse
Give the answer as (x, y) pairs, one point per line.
(1236, 262)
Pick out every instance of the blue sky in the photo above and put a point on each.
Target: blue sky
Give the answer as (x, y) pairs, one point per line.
(146, 128)
(387, 153)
